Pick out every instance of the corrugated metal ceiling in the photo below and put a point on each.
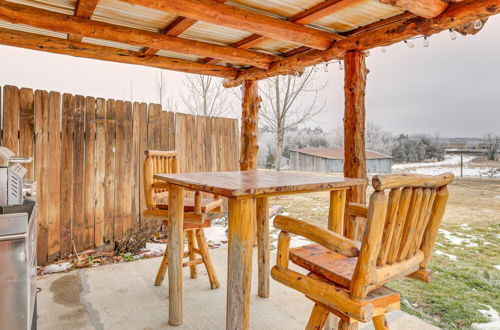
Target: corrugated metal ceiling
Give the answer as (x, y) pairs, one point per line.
(215, 34)
(285, 8)
(30, 29)
(60, 6)
(360, 14)
(122, 13)
(118, 12)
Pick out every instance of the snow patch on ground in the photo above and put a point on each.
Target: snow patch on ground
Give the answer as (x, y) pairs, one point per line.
(154, 249)
(458, 240)
(216, 235)
(449, 165)
(465, 226)
(497, 197)
(57, 268)
(493, 319)
(449, 160)
(450, 256)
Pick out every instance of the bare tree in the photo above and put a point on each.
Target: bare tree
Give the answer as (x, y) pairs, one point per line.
(206, 96)
(160, 85)
(491, 146)
(289, 101)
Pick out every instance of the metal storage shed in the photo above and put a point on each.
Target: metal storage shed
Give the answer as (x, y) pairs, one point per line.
(332, 160)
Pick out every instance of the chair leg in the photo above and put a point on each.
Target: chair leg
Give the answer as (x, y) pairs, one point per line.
(191, 246)
(162, 270)
(318, 318)
(207, 260)
(346, 325)
(380, 322)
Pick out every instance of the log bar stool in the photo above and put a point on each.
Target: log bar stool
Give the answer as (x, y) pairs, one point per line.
(196, 211)
(347, 278)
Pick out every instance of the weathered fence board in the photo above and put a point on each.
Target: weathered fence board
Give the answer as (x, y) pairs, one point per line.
(90, 171)
(54, 191)
(88, 155)
(66, 190)
(41, 131)
(26, 127)
(100, 170)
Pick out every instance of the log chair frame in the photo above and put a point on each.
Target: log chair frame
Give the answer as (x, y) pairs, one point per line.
(166, 162)
(399, 236)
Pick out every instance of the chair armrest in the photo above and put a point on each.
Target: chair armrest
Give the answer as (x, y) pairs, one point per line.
(357, 210)
(160, 185)
(327, 238)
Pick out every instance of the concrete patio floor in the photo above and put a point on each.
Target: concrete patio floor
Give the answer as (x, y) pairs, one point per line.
(122, 296)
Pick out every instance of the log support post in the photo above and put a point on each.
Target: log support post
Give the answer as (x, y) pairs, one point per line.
(248, 162)
(354, 123)
(249, 126)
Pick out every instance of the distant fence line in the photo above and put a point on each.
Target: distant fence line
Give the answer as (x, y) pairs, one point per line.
(88, 154)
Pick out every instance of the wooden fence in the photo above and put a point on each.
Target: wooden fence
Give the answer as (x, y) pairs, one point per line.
(88, 155)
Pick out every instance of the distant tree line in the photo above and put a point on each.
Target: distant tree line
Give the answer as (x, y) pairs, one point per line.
(417, 148)
(403, 148)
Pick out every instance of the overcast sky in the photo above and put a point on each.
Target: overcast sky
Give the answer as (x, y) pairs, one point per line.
(451, 88)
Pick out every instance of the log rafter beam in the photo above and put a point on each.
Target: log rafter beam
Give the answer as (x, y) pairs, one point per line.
(175, 29)
(49, 20)
(83, 9)
(79, 49)
(423, 8)
(305, 17)
(243, 19)
(385, 35)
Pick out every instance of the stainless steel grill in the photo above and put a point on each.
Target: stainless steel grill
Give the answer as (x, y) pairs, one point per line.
(17, 245)
(12, 174)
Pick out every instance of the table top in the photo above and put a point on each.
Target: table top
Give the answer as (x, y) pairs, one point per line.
(260, 182)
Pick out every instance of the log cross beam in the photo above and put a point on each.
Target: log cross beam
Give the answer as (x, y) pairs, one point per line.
(384, 35)
(45, 19)
(103, 53)
(243, 19)
(83, 9)
(305, 17)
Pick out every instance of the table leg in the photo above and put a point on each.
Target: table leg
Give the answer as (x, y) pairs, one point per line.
(263, 239)
(337, 210)
(239, 272)
(175, 253)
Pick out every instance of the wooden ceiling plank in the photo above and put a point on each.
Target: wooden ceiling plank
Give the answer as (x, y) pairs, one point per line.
(455, 15)
(80, 49)
(53, 21)
(243, 19)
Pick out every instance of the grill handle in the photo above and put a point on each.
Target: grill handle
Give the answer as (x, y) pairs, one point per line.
(20, 160)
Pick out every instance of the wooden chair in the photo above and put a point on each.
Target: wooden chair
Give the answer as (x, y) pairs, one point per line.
(346, 277)
(196, 216)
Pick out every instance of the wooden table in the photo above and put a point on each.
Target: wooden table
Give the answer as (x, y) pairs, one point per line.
(247, 193)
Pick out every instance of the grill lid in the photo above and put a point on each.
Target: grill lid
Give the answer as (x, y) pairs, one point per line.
(5, 156)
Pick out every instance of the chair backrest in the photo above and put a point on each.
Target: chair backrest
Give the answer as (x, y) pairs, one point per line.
(401, 228)
(157, 162)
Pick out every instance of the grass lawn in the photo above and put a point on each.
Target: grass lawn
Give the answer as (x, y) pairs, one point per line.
(466, 261)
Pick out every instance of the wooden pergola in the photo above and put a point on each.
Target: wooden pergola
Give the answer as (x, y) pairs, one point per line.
(242, 41)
